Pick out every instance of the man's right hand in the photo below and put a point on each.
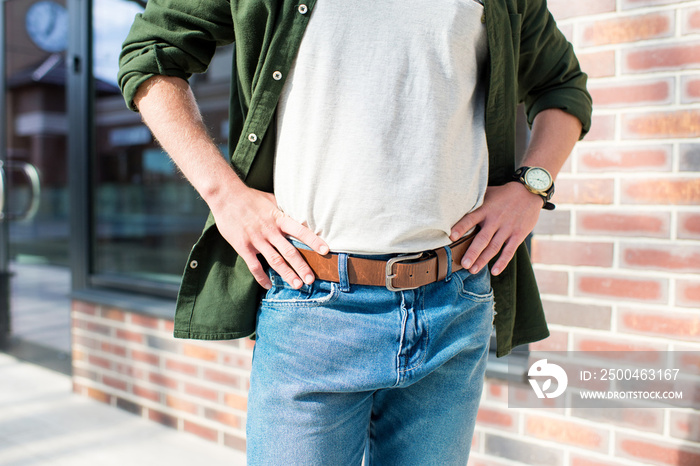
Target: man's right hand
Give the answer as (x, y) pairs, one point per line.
(248, 219)
(253, 224)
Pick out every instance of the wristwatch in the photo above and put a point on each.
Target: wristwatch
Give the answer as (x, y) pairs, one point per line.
(538, 181)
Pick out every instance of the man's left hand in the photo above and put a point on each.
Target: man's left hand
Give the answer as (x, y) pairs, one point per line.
(508, 214)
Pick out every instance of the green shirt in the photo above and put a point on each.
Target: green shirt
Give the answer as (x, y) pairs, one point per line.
(530, 61)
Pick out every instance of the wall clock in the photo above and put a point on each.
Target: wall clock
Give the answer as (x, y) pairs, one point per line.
(47, 25)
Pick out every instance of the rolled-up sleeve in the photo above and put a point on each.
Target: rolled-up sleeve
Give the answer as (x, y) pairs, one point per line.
(549, 74)
(172, 38)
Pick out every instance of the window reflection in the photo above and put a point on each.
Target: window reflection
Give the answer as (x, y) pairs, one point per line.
(146, 215)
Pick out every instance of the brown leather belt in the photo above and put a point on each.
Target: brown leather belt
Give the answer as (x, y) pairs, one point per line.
(402, 272)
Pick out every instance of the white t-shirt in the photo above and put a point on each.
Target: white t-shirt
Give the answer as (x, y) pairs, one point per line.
(381, 145)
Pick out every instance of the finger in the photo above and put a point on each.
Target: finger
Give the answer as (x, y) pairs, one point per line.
(302, 233)
(489, 252)
(465, 224)
(256, 269)
(279, 265)
(292, 256)
(505, 257)
(479, 243)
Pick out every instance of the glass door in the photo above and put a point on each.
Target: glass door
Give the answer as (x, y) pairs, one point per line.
(34, 175)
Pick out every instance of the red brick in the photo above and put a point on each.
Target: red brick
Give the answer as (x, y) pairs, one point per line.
(201, 392)
(690, 89)
(199, 352)
(87, 342)
(556, 341)
(98, 328)
(502, 419)
(562, 9)
(674, 258)
(181, 367)
(114, 383)
(616, 287)
(143, 356)
(235, 442)
(578, 315)
(602, 128)
(128, 370)
(598, 64)
(162, 380)
(649, 450)
(685, 425)
(496, 390)
(98, 395)
(691, 20)
(587, 460)
(661, 125)
(236, 401)
(162, 418)
(628, 347)
(81, 307)
(577, 253)
(99, 361)
(238, 360)
(227, 379)
(676, 57)
(129, 336)
(77, 354)
(206, 433)
(677, 325)
(688, 293)
(648, 420)
(636, 224)
(113, 314)
(552, 281)
(689, 225)
(180, 404)
(585, 191)
(642, 158)
(147, 393)
(143, 321)
(626, 29)
(169, 326)
(118, 350)
(567, 432)
(661, 191)
(222, 417)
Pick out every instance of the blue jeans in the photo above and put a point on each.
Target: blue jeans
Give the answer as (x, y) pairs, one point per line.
(341, 371)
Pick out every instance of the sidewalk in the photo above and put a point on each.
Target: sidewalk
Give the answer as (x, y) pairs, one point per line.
(43, 423)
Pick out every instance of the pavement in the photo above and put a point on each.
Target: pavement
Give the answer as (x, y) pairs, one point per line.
(42, 423)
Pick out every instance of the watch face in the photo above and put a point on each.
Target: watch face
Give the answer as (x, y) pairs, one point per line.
(47, 25)
(538, 179)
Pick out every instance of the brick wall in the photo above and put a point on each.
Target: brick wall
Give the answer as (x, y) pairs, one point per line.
(618, 260)
(133, 362)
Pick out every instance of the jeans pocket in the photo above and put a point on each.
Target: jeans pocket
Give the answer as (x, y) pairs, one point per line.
(281, 294)
(475, 287)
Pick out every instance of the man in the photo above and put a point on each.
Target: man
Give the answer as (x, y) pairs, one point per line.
(389, 128)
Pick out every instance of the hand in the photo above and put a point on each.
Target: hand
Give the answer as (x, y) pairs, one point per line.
(253, 224)
(507, 216)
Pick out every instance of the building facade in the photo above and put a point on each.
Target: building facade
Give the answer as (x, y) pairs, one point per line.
(617, 262)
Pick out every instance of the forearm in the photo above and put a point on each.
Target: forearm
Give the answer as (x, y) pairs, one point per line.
(168, 107)
(554, 134)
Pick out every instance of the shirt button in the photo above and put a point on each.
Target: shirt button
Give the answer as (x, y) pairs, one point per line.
(194, 264)
(252, 137)
(277, 75)
(303, 9)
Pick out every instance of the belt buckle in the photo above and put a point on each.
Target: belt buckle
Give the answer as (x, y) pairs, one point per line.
(390, 266)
